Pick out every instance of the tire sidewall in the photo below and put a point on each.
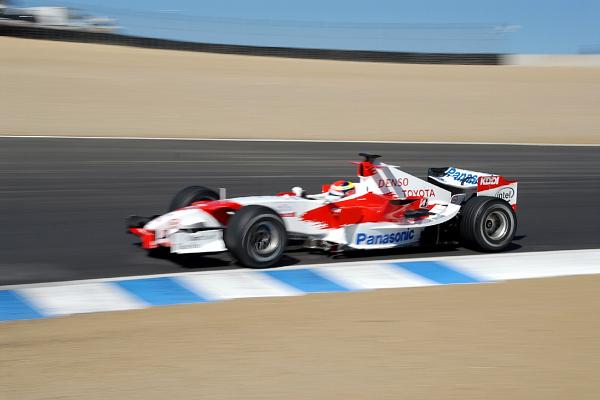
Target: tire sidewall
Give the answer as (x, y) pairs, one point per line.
(276, 254)
(237, 235)
(484, 211)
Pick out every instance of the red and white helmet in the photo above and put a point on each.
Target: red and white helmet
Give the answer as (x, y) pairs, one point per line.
(342, 188)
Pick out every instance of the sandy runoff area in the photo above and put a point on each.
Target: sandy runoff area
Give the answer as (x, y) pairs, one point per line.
(55, 88)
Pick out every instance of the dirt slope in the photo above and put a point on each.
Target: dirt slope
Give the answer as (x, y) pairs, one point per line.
(81, 89)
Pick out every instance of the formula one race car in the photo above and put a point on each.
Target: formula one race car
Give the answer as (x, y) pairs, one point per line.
(386, 208)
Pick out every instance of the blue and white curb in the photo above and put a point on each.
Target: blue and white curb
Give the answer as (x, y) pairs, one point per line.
(19, 302)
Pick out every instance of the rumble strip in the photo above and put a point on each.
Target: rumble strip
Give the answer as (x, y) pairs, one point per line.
(19, 302)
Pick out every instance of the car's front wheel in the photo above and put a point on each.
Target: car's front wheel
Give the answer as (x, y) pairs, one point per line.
(256, 236)
(487, 224)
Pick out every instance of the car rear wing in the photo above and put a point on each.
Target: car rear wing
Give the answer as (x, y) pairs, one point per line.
(473, 182)
(498, 186)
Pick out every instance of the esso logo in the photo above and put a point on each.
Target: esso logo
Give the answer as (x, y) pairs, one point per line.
(506, 194)
(489, 180)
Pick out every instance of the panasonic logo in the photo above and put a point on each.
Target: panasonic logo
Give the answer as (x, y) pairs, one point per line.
(461, 176)
(388, 238)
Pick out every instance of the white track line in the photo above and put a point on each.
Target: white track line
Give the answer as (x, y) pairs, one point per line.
(295, 140)
(539, 266)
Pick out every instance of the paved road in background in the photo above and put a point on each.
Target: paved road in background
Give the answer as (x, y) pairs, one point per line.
(63, 201)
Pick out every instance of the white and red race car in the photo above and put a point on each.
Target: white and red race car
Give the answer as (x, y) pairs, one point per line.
(386, 208)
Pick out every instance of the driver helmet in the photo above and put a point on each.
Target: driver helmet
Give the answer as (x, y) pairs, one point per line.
(342, 188)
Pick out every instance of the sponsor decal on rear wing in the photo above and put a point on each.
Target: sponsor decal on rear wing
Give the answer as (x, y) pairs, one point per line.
(456, 177)
(484, 183)
(498, 186)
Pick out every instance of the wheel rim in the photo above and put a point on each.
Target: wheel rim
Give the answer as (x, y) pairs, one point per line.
(264, 240)
(496, 225)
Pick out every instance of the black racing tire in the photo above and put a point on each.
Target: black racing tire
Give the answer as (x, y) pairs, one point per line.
(190, 194)
(256, 236)
(487, 224)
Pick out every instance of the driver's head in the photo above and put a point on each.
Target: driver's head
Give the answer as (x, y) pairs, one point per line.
(342, 188)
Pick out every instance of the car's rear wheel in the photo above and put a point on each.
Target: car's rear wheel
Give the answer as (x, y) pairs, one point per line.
(191, 194)
(487, 224)
(256, 236)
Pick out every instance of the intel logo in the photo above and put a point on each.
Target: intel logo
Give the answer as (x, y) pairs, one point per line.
(506, 194)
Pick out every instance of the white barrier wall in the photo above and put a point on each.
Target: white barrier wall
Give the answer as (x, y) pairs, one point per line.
(552, 60)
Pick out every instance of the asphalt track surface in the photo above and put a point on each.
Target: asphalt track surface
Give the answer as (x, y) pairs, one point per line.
(63, 201)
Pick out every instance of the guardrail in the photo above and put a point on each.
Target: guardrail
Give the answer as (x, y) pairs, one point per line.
(27, 30)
